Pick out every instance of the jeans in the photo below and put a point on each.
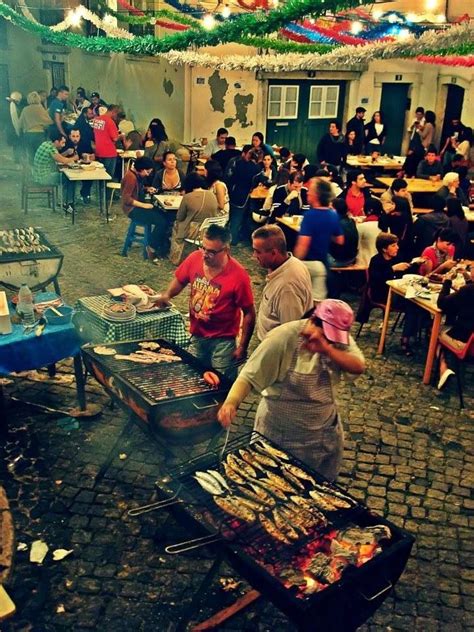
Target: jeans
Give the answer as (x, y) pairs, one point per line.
(109, 164)
(157, 219)
(318, 273)
(217, 353)
(238, 223)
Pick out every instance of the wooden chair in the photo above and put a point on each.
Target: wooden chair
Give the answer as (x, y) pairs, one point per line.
(461, 352)
(366, 306)
(32, 189)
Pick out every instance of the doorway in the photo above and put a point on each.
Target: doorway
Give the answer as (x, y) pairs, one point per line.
(394, 106)
(453, 108)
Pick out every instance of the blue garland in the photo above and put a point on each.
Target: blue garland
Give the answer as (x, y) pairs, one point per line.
(297, 29)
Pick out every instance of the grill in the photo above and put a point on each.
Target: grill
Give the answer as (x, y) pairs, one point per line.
(330, 575)
(38, 267)
(171, 399)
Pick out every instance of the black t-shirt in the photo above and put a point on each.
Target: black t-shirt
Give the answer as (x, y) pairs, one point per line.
(348, 250)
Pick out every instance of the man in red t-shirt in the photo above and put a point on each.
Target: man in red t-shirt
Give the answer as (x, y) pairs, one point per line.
(106, 134)
(356, 194)
(220, 294)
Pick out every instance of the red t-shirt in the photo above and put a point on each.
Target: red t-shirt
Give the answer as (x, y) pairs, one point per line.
(105, 135)
(436, 257)
(355, 203)
(215, 305)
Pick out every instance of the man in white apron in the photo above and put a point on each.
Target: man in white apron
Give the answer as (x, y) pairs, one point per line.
(295, 369)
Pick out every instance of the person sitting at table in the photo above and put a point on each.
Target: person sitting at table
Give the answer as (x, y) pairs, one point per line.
(214, 178)
(351, 147)
(216, 144)
(155, 141)
(197, 204)
(430, 167)
(224, 155)
(282, 178)
(357, 193)
(284, 158)
(399, 221)
(331, 149)
(342, 255)
(428, 224)
(325, 174)
(386, 266)
(268, 173)
(291, 198)
(80, 102)
(399, 188)
(47, 159)
(297, 162)
(439, 257)
(97, 103)
(309, 172)
(451, 188)
(169, 179)
(320, 227)
(259, 144)
(34, 120)
(458, 224)
(375, 133)
(368, 232)
(137, 209)
(459, 309)
(75, 146)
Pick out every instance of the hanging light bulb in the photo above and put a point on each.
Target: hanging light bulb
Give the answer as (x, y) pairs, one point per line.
(411, 17)
(356, 27)
(430, 5)
(441, 18)
(225, 11)
(392, 18)
(74, 18)
(208, 22)
(377, 14)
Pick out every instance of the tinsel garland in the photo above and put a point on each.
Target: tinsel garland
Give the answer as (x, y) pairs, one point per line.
(256, 24)
(458, 41)
(449, 60)
(150, 19)
(197, 11)
(105, 24)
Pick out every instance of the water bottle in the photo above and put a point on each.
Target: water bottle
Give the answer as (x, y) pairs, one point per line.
(25, 307)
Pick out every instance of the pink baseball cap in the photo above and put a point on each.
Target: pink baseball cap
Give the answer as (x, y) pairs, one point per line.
(337, 318)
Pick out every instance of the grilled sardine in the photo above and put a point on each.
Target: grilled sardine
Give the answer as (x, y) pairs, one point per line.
(263, 459)
(292, 478)
(269, 486)
(281, 482)
(308, 505)
(271, 450)
(241, 466)
(248, 457)
(271, 529)
(323, 501)
(258, 496)
(232, 506)
(262, 495)
(281, 522)
(327, 495)
(298, 472)
(233, 475)
(219, 478)
(209, 483)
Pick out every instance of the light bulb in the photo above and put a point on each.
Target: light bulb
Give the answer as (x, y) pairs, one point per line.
(403, 34)
(356, 27)
(225, 11)
(441, 18)
(377, 14)
(392, 18)
(430, 5)
(208, 22)
(411, 17)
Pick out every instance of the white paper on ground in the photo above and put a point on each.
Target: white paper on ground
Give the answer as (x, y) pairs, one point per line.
(38, 551)
(60, 554)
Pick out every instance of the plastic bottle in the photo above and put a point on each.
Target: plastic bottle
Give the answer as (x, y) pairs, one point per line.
(25, 307)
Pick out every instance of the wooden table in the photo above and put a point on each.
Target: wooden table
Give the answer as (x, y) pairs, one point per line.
(293, 222)
(385, 163)
(259, 193)
(168, 202)
(415, 185)
(399, 286)
(98, 175)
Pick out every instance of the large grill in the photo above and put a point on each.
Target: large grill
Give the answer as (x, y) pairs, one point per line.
(172, 399)
(26, 256)
(330, 575)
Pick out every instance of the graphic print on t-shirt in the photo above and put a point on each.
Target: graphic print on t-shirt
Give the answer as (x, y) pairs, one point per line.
(204, 295)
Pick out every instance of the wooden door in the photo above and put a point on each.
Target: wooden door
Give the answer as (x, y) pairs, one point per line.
(299, 111)
(394, 105)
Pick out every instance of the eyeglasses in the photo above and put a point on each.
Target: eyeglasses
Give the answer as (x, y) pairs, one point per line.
(210, 252)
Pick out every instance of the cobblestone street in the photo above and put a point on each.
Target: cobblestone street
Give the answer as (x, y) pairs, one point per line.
(408, 455)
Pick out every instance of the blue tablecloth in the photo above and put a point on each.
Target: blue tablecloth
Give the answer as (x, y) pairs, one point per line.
(20, 352)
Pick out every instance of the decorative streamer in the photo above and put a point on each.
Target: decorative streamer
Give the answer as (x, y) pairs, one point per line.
(81, 11)
(448, 60)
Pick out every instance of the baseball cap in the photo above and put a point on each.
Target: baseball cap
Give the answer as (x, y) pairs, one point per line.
(337, 318)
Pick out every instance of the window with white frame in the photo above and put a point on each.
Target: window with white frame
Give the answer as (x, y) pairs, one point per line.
(283, 102)
(323, 102)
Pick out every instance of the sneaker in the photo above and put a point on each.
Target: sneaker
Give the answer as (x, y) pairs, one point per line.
(444, 378)
(86, 199)
(69, 209)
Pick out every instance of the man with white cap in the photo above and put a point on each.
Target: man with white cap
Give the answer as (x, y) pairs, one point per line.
(294, 370)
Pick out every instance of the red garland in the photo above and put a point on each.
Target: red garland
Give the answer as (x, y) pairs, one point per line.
(253, 5)
(128, 7)
(343, 39)
(174, 26)
(450, 60)
(301, 39)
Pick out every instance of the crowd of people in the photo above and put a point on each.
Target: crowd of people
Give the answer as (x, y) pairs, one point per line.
(302, 326)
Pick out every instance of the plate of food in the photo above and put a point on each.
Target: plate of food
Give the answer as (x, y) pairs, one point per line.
(153, 307)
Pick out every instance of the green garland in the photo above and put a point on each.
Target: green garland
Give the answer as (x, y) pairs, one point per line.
(281, 46)
(246, 25)
(145, 19)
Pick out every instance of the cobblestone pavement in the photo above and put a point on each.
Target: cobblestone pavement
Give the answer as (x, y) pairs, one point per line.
(409, 456)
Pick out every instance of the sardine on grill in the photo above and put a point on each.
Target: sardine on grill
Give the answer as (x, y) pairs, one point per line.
(232, 506)
(270, 449)
(209, 483)
(233, 475)
(292, 478)
(271, 529)
(263, 460)
(241, 466)
(281, 522)
(281, 482)
(300, 473)
(323, 501)
(325, 495)
(219, 478)
(248, 457)
(269, 486)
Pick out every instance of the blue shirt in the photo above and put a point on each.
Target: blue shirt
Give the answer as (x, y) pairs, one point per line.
(56, 105)
(321, 224)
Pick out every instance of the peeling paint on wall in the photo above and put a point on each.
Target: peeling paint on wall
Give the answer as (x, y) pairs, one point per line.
(219, 89)
(241, 102)
(168, 86)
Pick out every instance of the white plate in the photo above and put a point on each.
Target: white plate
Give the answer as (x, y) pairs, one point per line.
(412, 277)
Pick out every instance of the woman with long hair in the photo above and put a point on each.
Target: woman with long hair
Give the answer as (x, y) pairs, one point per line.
(169, 179)
(427, 132)
(375, 133)
(214, 177)
(259, 144)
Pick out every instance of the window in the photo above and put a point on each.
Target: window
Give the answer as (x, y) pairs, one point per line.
(323, 102)
(283, 102)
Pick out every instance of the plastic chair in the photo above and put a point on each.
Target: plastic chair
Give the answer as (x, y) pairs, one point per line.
(114, 186)
(221, 220)
(134, 237)
(461, 352)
